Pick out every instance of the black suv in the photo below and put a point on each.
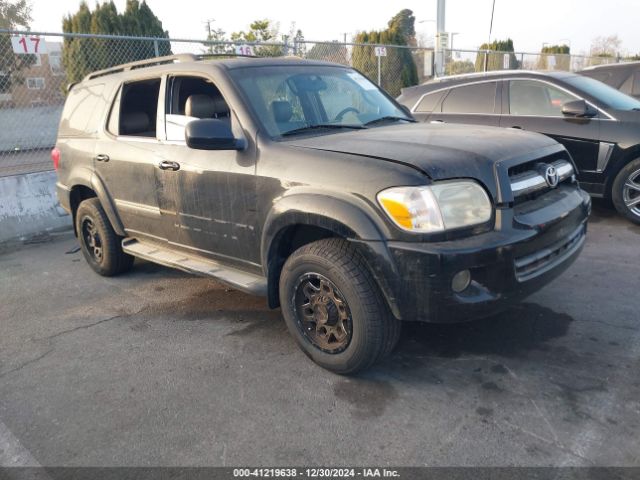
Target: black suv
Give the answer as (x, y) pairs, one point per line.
(304, 182)
(599, 126)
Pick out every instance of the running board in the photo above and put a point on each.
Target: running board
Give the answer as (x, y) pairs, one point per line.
(247, 282)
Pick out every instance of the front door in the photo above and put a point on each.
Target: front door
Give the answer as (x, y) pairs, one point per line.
(216, 201)
(537, 106)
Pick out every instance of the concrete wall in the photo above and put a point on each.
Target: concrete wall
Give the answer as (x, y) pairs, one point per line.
(29, 206)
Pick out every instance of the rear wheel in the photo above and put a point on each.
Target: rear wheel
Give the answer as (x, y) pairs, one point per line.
(100, 245)
(334, 309)
(626, 191)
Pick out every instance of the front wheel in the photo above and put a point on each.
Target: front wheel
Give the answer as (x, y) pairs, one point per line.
(334, 309)
(626, 191)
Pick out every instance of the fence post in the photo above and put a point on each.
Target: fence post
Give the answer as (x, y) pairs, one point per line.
(285, 47)
(379, 77)
(155, 46)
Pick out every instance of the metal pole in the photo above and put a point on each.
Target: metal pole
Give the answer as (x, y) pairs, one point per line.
(379, 78)
(486, 57)
(155, 46)
(440, 29)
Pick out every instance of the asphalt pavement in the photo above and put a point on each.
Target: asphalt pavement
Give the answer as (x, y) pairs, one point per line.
(157, 367)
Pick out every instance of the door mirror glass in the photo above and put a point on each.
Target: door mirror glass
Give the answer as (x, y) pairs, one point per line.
(211, 134)
(578, 108)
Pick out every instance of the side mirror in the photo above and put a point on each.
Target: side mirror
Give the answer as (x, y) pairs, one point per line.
(578, 109)
(211, 134)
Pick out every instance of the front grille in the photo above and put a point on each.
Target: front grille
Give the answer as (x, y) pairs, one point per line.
(539, 262)
(528, 181)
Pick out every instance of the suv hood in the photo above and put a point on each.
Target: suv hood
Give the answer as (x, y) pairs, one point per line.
(441, 151)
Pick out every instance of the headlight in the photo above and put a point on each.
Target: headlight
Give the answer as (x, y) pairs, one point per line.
(438, 207)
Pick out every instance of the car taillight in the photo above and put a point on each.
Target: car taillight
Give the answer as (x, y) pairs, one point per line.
(55, 157)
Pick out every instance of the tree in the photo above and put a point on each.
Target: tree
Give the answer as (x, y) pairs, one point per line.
(260, 31)
(496, 61)
(397, 69)
(459, 66)
(81, 56)
(561, 55)
(329, 52)
(605, 46)
(13, 15)
(216, 36)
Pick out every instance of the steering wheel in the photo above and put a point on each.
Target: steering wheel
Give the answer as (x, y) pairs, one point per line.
(343, 112)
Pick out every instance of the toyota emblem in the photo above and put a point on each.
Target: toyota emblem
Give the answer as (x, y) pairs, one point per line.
(551, 176)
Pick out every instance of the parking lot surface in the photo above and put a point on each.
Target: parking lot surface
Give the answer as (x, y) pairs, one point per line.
(157, 367)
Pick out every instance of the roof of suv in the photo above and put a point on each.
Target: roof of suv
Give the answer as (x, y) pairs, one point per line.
(608, 66)
(190, 59)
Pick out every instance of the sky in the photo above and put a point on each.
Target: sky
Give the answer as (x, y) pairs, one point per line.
(530, 23)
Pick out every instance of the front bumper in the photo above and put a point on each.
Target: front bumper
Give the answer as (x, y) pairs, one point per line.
(529, 247)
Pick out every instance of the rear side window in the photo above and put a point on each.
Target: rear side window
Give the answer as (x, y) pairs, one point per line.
(82, 110)
(137, 109)
(477, 98)
(429, 102)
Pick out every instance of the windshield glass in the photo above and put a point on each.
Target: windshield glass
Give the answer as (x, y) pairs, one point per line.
(298, 99)
(609, 96)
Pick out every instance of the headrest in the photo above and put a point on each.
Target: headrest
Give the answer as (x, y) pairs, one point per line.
(200, 106)
(281, 110)
(134, 122)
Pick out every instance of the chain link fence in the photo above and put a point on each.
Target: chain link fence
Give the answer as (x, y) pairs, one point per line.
(36, 68)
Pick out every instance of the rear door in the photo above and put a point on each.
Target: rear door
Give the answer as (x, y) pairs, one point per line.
(476, 104)
(536, 105)
(126, 160)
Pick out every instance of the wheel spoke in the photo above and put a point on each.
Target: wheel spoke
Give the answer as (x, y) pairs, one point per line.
(632, 185)
(633, 202)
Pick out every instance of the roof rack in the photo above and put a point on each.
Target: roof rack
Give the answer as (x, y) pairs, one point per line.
(150, 62)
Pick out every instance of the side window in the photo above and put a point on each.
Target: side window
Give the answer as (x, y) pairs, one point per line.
(429, 102)
(529, 97)
(635, 88)
(191, 98)
(477, 98)
(138, 108)
(81, 110)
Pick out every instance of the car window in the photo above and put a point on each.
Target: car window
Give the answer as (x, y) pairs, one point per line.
(530, 97)
(288, 98)
(190, 98)
(138, 108)
(429, 102)
(83, 109)
(635, 88)
(608, 96)
(476, 98)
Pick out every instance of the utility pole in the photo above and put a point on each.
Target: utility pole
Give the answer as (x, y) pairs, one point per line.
(486, 55)
(208, 24)
(440, 33)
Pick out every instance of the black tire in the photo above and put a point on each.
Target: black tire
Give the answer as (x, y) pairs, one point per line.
(100, 245)
(346, 300)
(626, 189)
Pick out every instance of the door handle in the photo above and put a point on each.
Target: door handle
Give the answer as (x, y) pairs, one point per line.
(101, 157)
(436, 121)
(169, 165)
(516, 127)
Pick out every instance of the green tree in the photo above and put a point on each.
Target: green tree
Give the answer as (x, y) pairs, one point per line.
(496, 61)
(329, 52)
(459, 66)
(561, 55)
(260, 31)
(13, 15)
(397, 69)
(81, 56)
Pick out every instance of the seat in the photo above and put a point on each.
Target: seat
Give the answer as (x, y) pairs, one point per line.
(136, 123)
(206, 106)
(281, 111)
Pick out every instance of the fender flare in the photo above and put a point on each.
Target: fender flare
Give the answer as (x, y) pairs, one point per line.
(88, 178)
(353, 221)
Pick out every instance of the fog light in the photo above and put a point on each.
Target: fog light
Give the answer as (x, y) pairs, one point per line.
(461, 281)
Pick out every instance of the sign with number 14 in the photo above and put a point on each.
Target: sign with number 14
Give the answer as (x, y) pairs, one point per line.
(28, 45)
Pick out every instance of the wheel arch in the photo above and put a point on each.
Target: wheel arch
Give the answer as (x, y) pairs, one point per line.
(297, 220)
(85, 187)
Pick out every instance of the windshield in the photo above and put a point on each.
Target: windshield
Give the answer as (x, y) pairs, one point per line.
(295, 99)
(609, 96)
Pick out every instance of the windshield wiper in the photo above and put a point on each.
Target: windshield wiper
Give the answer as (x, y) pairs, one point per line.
(319, 126)
(389, 117)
